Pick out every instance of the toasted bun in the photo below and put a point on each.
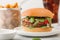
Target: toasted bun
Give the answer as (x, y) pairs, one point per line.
(47, 29)
(39, 12)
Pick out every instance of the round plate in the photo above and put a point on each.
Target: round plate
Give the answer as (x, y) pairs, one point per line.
(53, 32)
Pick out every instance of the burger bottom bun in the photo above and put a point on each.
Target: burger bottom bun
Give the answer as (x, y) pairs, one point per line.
(47, 29)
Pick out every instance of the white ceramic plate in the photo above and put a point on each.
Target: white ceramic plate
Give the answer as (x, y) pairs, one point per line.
(7, 34)
(53, 32)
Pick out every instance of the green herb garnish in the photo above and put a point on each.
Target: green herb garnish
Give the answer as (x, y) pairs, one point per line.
(36, 39)
(41, 20)
(36, 22)
(27, 17)
(31, 19)
(49, 19)
(43, 26)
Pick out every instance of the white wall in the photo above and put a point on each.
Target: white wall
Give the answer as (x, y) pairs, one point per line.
(32, 4)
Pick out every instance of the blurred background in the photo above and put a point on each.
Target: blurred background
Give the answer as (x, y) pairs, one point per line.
(52, 5)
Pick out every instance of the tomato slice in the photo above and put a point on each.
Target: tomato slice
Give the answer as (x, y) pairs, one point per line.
(46, 22)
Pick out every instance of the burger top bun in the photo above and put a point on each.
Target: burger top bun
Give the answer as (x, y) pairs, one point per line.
(39, 12)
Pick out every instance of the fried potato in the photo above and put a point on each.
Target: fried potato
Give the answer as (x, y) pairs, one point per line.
(7, 6)
(15, 5)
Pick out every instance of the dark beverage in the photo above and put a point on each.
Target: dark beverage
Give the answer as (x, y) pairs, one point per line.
(53, 6)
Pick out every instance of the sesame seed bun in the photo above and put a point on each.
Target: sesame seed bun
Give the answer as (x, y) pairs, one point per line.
(39, 12)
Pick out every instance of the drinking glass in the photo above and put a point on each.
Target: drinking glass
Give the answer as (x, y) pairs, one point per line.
(52, 5)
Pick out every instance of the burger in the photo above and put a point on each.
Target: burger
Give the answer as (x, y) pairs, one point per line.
(37, 20)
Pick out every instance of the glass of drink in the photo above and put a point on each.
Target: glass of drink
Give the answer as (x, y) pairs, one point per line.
(52, 5)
